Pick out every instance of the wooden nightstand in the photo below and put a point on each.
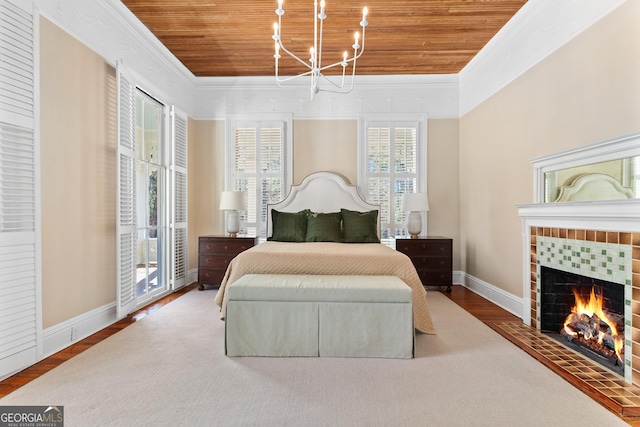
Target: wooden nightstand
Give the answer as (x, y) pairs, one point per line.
(214, 255)
(433, 258)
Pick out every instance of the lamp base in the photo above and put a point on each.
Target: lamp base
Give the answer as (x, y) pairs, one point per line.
(233, 223)
(414, 224)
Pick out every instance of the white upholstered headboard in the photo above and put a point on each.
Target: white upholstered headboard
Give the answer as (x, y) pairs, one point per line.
(322, 192)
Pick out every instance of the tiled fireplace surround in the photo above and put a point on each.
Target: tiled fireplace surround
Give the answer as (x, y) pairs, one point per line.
(599, 254)
(594, 239)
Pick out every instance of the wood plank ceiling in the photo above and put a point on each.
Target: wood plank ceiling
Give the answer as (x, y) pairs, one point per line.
(233, 37)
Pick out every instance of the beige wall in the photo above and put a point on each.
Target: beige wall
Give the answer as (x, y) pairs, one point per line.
(206, 181)
(585, 92)
(325, 145)
(78, 167)
(443, 182)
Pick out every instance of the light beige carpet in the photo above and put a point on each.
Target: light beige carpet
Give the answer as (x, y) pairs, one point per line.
(170, 369)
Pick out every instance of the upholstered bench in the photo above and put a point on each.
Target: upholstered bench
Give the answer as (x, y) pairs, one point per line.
(319, 315)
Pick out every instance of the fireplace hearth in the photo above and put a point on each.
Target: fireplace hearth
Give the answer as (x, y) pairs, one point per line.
(585, 314)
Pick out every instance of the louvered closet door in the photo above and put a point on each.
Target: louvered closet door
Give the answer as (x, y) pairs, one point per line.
(126, 201)
(179, 238)
(20, 318)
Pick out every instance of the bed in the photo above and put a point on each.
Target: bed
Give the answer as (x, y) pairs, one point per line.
(325, 193)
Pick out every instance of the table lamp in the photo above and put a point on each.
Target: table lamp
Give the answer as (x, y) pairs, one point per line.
(415, 203)
(232, 202)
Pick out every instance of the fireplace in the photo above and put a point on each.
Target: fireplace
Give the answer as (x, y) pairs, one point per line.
(585, 314)
(607, 254)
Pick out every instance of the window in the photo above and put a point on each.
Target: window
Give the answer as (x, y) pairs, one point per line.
(260, 166)
(392, 156)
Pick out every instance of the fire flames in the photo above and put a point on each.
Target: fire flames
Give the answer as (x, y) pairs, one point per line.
(591, 325)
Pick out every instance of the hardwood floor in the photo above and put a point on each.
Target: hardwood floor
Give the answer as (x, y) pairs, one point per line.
(479, 307)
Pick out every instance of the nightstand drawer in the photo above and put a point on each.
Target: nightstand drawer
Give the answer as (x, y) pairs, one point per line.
(210, 276)
(435, 278)
(228, 246)
(424, 247)
(431, 264)
(215, 261)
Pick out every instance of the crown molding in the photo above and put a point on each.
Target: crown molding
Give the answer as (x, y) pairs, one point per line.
(437, 96)
(378, 81)
(539, 28)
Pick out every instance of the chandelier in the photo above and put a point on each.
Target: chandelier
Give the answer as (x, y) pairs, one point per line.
(314, 65)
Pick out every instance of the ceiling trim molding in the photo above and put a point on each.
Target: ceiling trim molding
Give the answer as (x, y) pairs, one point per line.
(377, 81)
(437, 98)
(538, 29)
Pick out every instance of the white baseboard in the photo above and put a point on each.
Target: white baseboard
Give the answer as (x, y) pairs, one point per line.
(71, 331)
(501, 298)
(192, 275)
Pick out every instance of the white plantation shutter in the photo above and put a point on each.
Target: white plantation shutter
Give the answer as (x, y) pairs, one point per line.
(126, 201)
(20, 318)
(392, 169)
(17, 63)
(179, 242)
(245, 174)
(259, 164)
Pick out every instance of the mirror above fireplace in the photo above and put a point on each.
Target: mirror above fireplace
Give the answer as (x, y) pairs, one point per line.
(608, 170)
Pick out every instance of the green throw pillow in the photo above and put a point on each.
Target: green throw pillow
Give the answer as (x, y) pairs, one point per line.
(324, 227)
(289, 226)
(359, 227)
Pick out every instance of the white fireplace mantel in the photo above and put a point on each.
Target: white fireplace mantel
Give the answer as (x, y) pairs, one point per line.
(613, 215)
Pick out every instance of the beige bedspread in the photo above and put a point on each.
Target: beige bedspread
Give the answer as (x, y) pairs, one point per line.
(330, 258)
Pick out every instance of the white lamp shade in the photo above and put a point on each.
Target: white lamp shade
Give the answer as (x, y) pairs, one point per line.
(232, 201)
(415, 202)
